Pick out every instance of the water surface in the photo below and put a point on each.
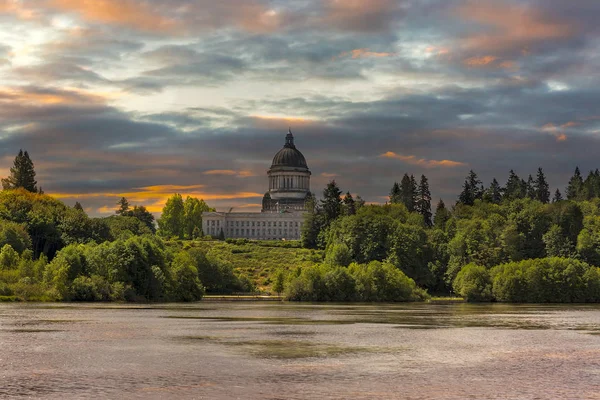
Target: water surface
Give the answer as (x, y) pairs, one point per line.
(263, 350)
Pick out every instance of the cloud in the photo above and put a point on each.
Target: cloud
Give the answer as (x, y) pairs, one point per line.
(413, 160)
(364, 53)
(229, 172)
(511, 27)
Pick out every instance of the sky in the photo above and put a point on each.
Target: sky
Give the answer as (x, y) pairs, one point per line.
(143, 99)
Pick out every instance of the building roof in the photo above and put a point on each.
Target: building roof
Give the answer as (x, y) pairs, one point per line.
(289, 156)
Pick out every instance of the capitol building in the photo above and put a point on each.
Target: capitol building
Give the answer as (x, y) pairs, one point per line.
(283, 205)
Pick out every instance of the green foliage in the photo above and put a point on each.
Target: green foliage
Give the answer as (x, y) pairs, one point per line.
(473, 283)
(338, 254)
(171, 222)
(555, 280)
(15, 235)
(375, 281)
(192, 216)
(122, 228)
(9, 258)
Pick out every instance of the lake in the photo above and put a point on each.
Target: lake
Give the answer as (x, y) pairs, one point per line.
(271, 350)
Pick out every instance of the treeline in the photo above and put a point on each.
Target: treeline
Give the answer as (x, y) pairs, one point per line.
(49, 251)
(485, 229)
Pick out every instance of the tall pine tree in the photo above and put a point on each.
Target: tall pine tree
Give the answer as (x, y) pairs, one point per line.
(542, 189)
(331, 202)
(349, 204)
(516, 188)
(408, 188)
(423, 205)
(557, 196)
(472, 190)
(22, 174)
(494, 193)
(442, 215)
(530, 187)
(575, 186)
(395, 194)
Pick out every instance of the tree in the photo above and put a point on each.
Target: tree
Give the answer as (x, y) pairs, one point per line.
(408, 192)
(516, 188)
(331, 202)
(192, 210)
(423, 205)
(171, 223)
(22, 174)
(531, 188)
(442, 215)
(575, 186)
(349, 204)
(494, 193)
(395, 194)
(358, 203)
(557, 196)
(78, 206)
(278, 283)
(145, 216)
(472, 190)
(123, 207)
(542, 189)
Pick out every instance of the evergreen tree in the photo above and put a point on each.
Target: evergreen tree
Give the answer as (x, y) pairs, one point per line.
(442, 215)
(591, 185)
(408, 188)
(557, 196)
(123, 207)
(424, 201)
(395, 194)
(22, 174)
(414, 190)
(494, 193)
(530, 187)
(472, 190)
(516, 188)
(171, 222)
(349, 204)
(142, 214)
(575, 186)
(542, 189)
(78, 206)
(314, 222)
(331, 202)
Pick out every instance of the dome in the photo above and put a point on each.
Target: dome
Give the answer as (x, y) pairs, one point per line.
(289, 156)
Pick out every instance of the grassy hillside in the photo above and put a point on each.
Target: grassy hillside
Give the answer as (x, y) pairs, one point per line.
(257, 259)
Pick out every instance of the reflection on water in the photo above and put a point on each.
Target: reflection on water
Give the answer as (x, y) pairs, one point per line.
(297, 351)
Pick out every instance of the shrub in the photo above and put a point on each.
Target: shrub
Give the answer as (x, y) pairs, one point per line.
(473, 283)
(546, 280)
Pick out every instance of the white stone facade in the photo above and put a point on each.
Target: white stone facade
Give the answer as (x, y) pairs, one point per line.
(260, 226)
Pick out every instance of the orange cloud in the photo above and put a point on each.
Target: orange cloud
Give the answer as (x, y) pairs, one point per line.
(155, 16)
(512, 26)
(49, 96)
(561, 137)
(413, 160)
(480, 61)
(154, 197)
(130, 13)
(328, 175)
(364, 53)
(571, 124)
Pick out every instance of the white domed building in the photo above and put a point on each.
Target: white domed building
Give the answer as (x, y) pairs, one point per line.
(283, 205)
